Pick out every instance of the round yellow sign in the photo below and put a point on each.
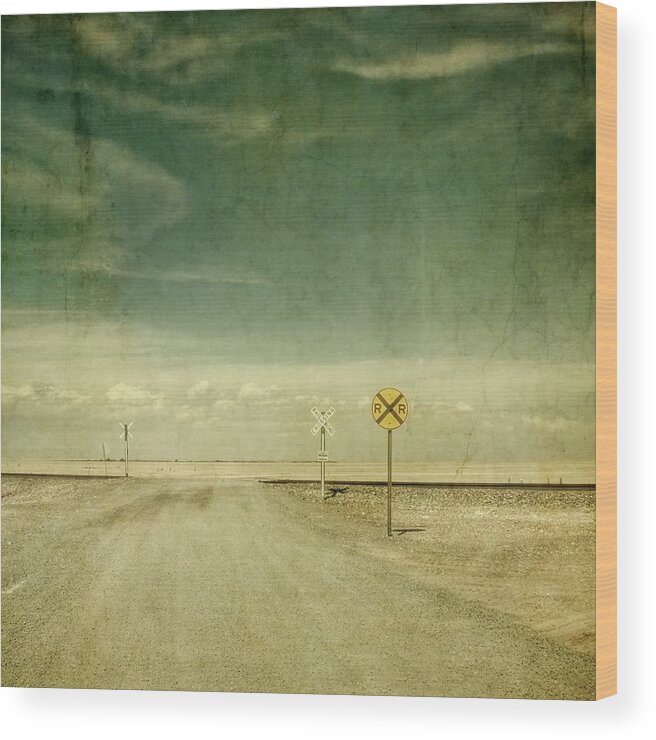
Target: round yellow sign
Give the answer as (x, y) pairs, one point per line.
(389, 408)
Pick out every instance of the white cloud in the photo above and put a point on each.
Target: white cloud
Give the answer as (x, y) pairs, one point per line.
(231, 124)
(206, 395)
(224, 403)
(455, 61)
(121, 38)
(126, 42)
(462, 407)
(10, 393)
(202, 389)
(132, 395)
(202, 408)
(260, 394)
(210, 274)
(42, 393)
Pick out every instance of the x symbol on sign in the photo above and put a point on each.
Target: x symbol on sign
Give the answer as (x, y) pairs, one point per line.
(322, 420)
(329, 427)
(389, 408)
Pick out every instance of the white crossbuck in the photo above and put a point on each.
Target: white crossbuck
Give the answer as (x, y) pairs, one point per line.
(126, 431)
(322, 420)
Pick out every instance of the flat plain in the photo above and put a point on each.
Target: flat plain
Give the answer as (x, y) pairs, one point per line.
(236, 585)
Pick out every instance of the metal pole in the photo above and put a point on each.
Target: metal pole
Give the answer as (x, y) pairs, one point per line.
(105, 459)
(389, 482)
(323, 464)
(127, 452)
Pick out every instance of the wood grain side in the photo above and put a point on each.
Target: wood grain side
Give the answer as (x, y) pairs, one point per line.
(606, 351)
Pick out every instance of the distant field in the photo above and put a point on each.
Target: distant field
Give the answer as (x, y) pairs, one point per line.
(581, 473)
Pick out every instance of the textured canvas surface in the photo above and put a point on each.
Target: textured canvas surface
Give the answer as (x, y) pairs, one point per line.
(214, 222)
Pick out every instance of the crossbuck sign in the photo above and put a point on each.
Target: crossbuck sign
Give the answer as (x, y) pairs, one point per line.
(322, 420)
(389, 408)
(322, 425)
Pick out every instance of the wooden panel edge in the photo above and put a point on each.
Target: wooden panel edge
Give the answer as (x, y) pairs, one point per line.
(606, 351)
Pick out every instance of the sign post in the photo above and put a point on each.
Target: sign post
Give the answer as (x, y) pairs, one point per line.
(321, 425)
(389, 409)
(323, 463)
(389, 482)
(126, 435)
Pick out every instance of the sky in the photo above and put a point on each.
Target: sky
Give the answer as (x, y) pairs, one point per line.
(213, 221)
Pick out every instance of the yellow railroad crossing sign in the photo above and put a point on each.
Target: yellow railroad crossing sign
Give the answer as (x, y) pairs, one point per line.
(389, 408)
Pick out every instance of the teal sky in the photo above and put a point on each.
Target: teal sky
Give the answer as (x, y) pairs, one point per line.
(214, 220)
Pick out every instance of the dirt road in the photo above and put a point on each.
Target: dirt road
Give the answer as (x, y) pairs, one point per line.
(236, 586)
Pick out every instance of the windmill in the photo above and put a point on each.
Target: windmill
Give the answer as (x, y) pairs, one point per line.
(126, 435)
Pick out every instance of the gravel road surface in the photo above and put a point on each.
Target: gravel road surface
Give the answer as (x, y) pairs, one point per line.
(239, 586)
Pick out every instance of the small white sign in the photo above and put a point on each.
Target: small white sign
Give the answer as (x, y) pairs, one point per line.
(322, 456)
